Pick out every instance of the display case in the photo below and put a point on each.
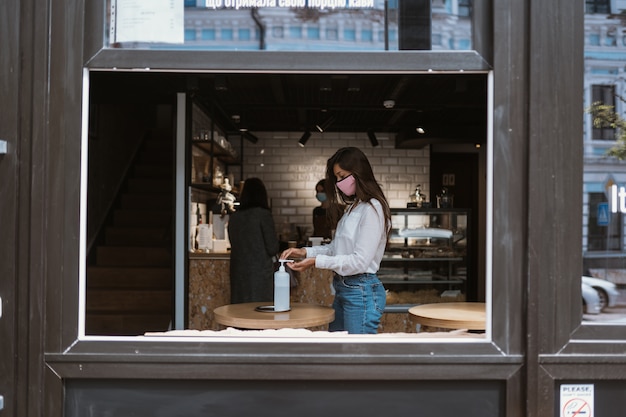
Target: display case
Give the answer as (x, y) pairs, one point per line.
(426, 257)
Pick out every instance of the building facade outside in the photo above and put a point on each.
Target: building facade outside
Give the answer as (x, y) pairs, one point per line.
(605, 54)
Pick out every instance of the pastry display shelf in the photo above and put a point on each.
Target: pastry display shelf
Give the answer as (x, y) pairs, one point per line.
(426, 253)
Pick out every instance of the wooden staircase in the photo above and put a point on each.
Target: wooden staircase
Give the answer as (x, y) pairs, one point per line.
(130, 284)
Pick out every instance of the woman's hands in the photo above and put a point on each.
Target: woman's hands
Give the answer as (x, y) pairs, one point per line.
(293, 253)
(297, 253)
(298, 266)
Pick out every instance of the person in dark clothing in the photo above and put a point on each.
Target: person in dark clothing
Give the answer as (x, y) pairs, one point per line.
(327, 214)
(254, 245)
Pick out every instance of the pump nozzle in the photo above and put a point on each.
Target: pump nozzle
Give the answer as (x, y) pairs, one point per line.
(282, 263)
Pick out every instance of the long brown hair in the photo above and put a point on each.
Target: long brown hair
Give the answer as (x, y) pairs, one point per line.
(354, 160)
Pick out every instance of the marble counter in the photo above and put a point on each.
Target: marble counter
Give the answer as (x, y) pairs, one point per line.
(209, 288)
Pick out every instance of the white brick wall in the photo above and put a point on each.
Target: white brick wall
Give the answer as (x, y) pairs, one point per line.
(290, 172)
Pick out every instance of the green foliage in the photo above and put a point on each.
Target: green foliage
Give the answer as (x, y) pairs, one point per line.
(604, 116)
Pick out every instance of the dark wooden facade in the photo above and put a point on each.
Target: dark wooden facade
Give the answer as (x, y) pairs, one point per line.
(535, 50)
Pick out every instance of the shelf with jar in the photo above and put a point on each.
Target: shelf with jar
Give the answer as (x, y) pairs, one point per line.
(426, 254)
(220, 148)
(212, 153)
(208, 171)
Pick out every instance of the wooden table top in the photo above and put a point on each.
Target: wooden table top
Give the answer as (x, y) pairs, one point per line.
(467, 315)
(246, 317)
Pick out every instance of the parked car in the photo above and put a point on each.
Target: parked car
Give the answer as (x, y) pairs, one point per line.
(591, 300)
(607, 291)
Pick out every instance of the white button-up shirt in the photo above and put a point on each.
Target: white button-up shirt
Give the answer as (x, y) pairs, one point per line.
(359, 242)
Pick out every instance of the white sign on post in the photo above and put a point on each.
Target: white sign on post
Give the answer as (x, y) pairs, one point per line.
(159, 21)
(577, 400)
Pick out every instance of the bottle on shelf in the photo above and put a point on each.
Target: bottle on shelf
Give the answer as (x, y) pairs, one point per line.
(196, 229)
(445, 199)
(416, 198)
(198, 215)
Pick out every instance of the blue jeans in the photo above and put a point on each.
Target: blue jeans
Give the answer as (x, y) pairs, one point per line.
(359, 303)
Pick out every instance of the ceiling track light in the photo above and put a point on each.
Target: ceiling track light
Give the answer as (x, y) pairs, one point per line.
(420, 118)
(305, 137)
(325, 124)
(372, 136)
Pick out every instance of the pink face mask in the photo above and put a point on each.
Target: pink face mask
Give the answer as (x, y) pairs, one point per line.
(347, 185)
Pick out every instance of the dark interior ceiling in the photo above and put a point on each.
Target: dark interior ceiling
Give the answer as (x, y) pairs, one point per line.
(450, 107)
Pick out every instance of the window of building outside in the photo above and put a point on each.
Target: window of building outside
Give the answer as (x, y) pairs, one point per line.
(465, 8)
(603, 235)
(604, 94)
(598, 6)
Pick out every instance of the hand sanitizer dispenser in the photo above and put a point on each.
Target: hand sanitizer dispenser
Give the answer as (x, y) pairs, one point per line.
(281, 287)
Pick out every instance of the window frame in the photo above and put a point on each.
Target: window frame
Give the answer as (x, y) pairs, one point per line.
(471, 61)
(102, 58)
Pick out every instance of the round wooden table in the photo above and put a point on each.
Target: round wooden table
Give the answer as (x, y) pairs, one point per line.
(246, 317)
(467, 315)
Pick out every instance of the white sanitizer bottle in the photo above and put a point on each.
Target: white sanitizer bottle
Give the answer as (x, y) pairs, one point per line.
(281, 287)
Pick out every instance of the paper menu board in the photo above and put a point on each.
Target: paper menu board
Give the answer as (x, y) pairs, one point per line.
(159, 21)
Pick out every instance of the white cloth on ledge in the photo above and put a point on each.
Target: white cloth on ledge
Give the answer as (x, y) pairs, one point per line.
(289, 332)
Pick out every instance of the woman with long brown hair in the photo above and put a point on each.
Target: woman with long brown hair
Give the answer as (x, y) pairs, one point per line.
(355, 253)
